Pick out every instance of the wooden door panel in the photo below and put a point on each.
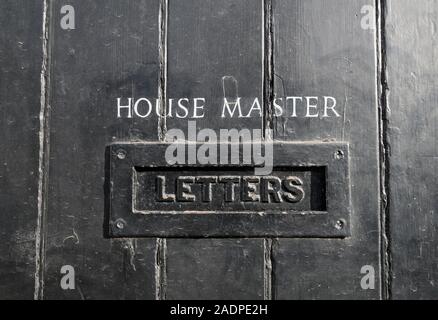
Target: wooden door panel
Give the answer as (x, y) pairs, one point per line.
(21, 58)
(411, 121)
(64, 96)
(113, 53)
(215, 51)
(320, 49)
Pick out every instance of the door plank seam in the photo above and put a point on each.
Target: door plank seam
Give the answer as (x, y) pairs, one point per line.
(161, 243)
(385, 151)
(268, 68)
(160, 269)
(268, 97)
(44, 147)
(162, 79)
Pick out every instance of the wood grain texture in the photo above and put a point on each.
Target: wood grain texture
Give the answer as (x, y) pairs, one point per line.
(412, 136)
(113, 52)
(20, 61)
(320, 50)
(215, 50)
(215, 269)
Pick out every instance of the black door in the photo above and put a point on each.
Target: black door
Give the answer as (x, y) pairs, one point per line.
(94, 93)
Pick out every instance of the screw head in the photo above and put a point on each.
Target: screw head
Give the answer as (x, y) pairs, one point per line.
(339, 225)
(121, 154)
(339, 155)
(120, 224)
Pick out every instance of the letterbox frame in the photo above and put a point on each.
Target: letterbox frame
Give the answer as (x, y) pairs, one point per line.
(123, 221)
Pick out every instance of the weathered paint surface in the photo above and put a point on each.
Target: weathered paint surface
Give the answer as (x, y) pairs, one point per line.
(384, 82)
(215, 50)
(20, 62)
(315, 54)
(112, 53)
(412, 122)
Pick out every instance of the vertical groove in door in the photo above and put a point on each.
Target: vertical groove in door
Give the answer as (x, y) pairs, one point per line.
(268, 60)
(269, 279)
(162, 80)
(385, 174)
(160, 257)
(44, 147)
(160, 269)
(268, 97)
